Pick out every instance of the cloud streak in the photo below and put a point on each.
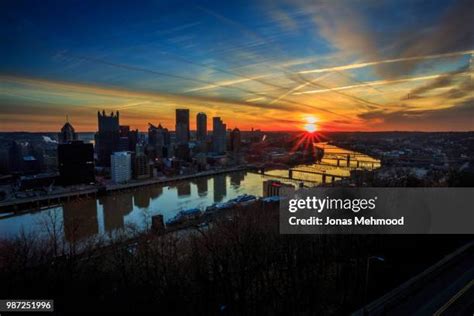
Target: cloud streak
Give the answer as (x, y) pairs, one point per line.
(224, 83)
(380, 83)
(454, 118)
(386, 61)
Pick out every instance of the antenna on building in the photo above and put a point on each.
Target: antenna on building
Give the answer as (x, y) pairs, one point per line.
(67, 118)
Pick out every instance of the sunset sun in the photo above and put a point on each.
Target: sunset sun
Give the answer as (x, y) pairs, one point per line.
(310, 125)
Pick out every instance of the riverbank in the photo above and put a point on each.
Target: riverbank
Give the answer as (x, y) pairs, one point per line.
(140, 183)
(48, 200)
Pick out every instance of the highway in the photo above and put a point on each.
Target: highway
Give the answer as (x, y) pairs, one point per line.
(445, 288)
(437, 296)
(460, 304)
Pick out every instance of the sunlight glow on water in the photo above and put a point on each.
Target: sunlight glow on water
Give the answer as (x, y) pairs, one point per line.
(89, 217)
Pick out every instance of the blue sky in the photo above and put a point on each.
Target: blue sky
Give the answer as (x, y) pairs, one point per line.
(251, 62)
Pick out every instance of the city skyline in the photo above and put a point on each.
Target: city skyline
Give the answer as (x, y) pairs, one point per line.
(275, 66)
(295, 157)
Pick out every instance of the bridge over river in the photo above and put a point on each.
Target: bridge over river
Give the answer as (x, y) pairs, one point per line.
(336, 164)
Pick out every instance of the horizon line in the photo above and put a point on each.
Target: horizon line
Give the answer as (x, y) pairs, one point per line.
(278, 131)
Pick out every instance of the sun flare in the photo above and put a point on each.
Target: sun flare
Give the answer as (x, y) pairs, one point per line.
(310, 128)
(310, 119)
(310, 125)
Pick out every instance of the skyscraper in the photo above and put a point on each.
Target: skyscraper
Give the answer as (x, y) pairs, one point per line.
(76, 163)
(124, 130)
(182, 126)
(218, 135)
(141, 167)
(160, 139)
(235, 140)
(201, 127)
(128, 138)
(121, 166)
(132, 140)
(67, 133)
(107, 139)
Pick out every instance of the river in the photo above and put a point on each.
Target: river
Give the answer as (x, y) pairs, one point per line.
(89, 217)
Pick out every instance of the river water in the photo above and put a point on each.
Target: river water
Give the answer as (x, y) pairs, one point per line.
(89, 217)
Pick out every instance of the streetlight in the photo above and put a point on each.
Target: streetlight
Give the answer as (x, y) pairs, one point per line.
(379, 258)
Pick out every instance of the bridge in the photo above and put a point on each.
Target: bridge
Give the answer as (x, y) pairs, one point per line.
(297, 182)
(327, 170)
(324, 175)
(358, 163)
(347, 158)
(315, 170)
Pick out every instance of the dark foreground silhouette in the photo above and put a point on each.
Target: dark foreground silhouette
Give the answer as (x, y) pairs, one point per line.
(237, 265)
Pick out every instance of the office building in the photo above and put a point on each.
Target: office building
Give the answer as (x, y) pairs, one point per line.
(182, 152)
(182, 126)
(235, 140)
(67, 133)
(159, 138)
(124, 130)
(121, 166)
(76, 163)
(141, 166)
(107, 139)
(218, 136)
(201, 127)
(132, 140)
(124, 144)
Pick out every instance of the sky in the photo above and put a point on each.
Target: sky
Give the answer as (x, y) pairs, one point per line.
(359, 65)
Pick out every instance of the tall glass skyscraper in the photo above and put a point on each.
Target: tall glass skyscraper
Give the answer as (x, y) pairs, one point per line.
(201, 126)
(218, 135)
(182, 126)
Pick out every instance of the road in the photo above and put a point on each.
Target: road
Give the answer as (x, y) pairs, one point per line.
(460, 304)
(451, 292)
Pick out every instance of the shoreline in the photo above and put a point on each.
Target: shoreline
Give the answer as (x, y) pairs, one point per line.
(37, 203)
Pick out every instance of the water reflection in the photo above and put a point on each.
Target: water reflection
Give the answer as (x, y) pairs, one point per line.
(86, 218)
(115, 207)
(201, 184)
(141, 198)
(236, 178)
(337, 163)
(184, 189)
(220, 188)
(80, 220)
(155, 191)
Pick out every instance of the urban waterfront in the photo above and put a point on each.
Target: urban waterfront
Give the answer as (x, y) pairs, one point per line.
(88, 217)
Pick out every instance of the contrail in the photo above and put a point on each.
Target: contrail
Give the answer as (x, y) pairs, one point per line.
(255, 99)
(301, 86)
(374, 83)
(387, 61)
(224, 84)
